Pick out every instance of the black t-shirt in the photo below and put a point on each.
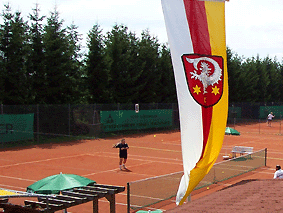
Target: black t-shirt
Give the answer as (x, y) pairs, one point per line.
(120, 145)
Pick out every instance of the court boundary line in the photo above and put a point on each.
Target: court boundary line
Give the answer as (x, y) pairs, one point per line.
(165, 150)
(140, 156)
(11, 177)
(38, 161)
(12, 186)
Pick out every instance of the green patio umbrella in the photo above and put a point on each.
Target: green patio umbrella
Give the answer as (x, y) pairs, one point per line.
(231, 131)
(56, 183)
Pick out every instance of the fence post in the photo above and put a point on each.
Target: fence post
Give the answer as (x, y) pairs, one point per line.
(2, 109)
(280, 125)
(69, 120)
(265, 156)
(128, 198)
(37, 123)
(94, 114)
(234, 116)
(258, 126)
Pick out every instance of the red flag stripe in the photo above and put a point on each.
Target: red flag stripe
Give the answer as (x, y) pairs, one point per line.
(197, 20)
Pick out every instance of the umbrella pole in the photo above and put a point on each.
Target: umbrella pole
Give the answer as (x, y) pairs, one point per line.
(95, 205)
(47, 205)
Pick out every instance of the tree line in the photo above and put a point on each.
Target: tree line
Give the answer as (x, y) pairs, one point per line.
(42, 63)
(254, 79)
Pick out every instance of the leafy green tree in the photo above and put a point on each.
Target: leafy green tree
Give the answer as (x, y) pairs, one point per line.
(166, 86)
(273, 71)
(149, 59)
(250, 79)
(262, 94)
(36, 58)
(75, 73)
(97, 70)
(14, 47)
(122, 51)
(59, 87)
(235, 76)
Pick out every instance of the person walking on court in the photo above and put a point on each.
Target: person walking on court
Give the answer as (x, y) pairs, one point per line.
(123, 153)
(269, 119)
(279, 173)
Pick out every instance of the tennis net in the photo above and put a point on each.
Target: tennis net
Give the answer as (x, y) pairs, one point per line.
(150, 191)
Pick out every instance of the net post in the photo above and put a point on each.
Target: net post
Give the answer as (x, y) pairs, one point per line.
(265, 156)
(128, 198)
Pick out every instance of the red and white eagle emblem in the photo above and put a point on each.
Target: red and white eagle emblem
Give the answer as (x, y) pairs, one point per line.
(204, 74)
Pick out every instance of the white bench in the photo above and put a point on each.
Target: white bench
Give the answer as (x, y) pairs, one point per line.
(242, 150)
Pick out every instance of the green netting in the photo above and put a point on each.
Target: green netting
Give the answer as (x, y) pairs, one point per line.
(149, 191)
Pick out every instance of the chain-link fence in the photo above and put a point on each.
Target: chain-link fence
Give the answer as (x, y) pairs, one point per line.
(99, 120)
(252, 117)
(93, 120)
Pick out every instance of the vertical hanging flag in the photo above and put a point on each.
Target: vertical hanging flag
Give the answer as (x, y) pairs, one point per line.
(196, 34)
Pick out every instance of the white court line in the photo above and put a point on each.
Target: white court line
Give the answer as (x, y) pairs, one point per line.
(38, 161)
(138, 157)
(270, 173)
(268, 152)
(166, 160)
(15, 187)
(141, 156)
(3, 176)
(112, 170)
(165, 150)
(172, 143)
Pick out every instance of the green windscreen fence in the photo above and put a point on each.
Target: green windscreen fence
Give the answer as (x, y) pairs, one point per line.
(16, 127)
(130, 120)
(265, 110)
(235, 112)
(149, 191)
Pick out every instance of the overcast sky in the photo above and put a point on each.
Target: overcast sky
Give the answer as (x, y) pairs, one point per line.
(252, 26)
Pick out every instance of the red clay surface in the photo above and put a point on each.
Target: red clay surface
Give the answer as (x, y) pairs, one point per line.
(149, 156)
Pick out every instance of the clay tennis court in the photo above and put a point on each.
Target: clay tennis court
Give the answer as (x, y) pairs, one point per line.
(150, 155)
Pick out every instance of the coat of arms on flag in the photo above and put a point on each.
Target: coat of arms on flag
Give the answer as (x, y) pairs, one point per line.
(204, 75)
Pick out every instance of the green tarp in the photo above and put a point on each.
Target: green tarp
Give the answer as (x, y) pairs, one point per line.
(230, 131)
(16, 127)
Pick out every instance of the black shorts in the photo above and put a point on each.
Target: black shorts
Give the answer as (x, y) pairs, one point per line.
(123, 155)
